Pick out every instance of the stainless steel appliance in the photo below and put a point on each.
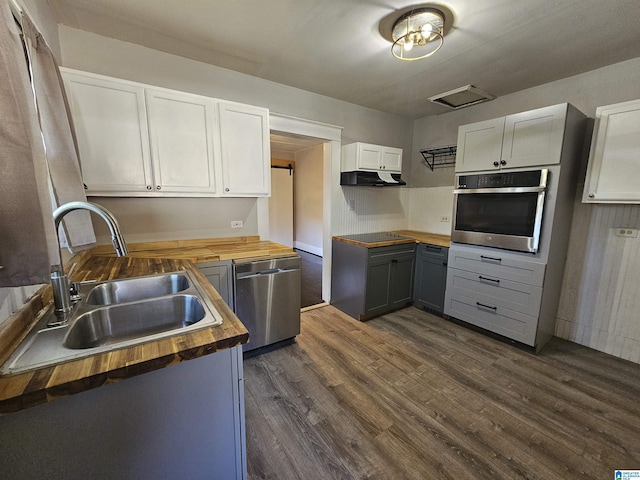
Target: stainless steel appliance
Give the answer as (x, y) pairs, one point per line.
(267, 299)
(502, 210)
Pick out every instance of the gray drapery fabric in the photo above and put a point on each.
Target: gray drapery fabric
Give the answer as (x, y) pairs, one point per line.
(60, 147)
(28, 245)
(28, 241)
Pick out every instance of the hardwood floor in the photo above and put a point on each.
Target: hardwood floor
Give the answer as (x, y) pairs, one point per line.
(311, 279)
(411, 395)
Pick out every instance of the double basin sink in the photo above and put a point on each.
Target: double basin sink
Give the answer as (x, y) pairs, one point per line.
(116, 314)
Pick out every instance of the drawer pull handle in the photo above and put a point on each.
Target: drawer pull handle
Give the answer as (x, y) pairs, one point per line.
(493, 259)
(487, 306)
(431, 247)
(488, 279)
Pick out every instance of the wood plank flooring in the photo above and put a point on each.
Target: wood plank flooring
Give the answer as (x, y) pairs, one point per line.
(412, 396)
(311, 279)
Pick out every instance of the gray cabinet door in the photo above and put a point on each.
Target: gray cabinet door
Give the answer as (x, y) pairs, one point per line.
(377, 292)
(401, 280)
(220, 276)
(431, 277)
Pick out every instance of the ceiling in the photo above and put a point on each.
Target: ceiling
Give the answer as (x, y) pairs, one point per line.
(335, 48)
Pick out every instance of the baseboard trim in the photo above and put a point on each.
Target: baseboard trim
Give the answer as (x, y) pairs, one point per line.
(308, 248)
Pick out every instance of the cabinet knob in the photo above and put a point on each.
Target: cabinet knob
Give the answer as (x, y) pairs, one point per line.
(158, 187)
(148, 187)
(495, 164)
(503, 162)
(226, 189)
(592, 195)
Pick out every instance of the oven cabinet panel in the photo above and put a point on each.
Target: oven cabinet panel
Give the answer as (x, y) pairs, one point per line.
(480, 146)
(431, 277)
(497, 264)
(495, 292)
(614, 160)
(534, 138)
(508, 323)
(366, 282)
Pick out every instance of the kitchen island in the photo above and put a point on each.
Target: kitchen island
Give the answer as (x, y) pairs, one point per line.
(144, 420)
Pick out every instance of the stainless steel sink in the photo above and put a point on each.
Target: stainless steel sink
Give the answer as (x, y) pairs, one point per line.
(117, 314)
(109, 325)
(132, 290)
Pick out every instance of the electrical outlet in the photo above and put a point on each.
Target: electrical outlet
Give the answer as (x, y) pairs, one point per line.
(626, 232)
(444, 219)
(236, 223)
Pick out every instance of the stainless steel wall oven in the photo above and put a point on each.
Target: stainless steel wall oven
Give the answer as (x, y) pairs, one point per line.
(502, 210)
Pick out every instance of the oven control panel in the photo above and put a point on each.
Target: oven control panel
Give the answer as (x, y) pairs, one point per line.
(532, 178)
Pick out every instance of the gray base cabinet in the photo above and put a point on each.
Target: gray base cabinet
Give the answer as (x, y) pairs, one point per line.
(366, 282)
(431, 277)
(182, 421)
(220, 276)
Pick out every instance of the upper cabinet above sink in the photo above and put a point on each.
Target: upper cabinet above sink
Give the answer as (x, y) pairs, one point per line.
(139, 140)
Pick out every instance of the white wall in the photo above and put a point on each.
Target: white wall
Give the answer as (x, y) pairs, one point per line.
(599, 306)
(94, 53)
(308, 200)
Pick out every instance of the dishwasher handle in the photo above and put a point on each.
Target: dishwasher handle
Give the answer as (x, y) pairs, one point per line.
(261, 273)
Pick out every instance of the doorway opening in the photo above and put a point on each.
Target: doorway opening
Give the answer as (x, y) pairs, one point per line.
(296, 205)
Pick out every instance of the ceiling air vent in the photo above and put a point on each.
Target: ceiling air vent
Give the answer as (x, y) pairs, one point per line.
(462, 97)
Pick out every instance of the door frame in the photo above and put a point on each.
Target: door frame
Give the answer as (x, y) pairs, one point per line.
(332, 135)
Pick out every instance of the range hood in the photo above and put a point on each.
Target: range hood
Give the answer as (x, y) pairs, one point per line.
(371, 179)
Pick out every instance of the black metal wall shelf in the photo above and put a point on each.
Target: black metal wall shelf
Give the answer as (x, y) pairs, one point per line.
(440, 157)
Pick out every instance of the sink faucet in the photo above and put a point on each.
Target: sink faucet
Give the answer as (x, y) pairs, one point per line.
(60, 281)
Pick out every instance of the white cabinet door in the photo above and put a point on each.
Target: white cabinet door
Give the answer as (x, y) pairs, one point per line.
(181, 127)
(245, 150)
(368, 157)
(534, 137)
(480, 145)
(614, 160)
(111, 127)
(392, 159)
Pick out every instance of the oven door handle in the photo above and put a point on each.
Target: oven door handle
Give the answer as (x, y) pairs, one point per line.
(501, 190)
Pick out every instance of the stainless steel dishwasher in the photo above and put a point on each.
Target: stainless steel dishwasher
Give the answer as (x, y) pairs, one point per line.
(267, 299)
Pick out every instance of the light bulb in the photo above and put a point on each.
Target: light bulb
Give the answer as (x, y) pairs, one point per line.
(408, 42)
(427, 28)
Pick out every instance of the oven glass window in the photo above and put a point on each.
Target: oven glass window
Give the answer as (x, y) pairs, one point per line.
(498, 213)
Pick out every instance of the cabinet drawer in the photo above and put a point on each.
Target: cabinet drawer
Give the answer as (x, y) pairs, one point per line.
(393, 251)
(497, 264)
(515, 325)
(433, 252)
(495, 292)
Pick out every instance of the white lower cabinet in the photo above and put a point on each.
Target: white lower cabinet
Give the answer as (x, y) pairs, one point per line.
(495, 290)
(140, 140)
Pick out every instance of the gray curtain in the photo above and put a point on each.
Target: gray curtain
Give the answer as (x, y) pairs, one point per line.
(60, 146)
(28, 242)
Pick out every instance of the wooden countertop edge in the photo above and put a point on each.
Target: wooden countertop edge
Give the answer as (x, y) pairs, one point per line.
(35, 387)
(414, 237)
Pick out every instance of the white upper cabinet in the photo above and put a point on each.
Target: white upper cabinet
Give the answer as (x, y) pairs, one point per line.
(614, 160)
(181, 129)
(245, 150)
(534, 137)
(480, 145)
(371, 158)
(110, 121)
(139, 140)
(526, 139)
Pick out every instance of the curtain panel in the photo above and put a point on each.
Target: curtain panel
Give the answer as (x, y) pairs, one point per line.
(28, 241)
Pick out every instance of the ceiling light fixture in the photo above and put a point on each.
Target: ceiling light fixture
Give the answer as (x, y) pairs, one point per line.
(418, 33)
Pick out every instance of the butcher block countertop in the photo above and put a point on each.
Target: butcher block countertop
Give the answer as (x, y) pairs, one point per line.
(203, 250)
(23, 390)
(396, 237)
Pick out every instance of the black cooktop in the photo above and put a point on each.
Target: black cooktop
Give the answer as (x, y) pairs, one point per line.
(375, 237)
